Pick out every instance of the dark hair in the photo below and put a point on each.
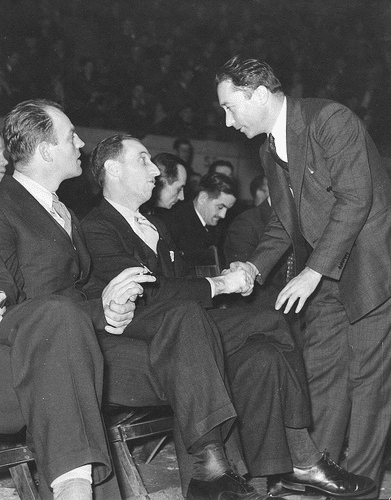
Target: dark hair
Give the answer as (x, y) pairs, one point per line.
(167, 163)
(248, 74)
(27, 125)
(220, 163)
(215, 184)
(110, 148)
(168, 166)
(257, 183)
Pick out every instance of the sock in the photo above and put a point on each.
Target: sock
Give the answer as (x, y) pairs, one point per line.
(74, 485)
(303, 450)
(210, 463)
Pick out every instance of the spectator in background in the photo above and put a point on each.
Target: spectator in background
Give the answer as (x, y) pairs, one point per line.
(196, 225)
(169, 185)
(222, 167)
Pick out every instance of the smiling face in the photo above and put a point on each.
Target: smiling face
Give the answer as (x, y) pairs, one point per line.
(172, 193)
(137, 173)
(214, 209)
(248, 114)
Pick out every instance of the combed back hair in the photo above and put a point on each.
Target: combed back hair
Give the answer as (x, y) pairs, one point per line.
(248, 74)
(220, 163)
(167, 163)
(110, 148)
(27, 125)
(215, 184)
(257, 183)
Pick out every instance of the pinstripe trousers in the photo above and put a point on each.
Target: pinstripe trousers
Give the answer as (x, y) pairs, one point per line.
(349, 375)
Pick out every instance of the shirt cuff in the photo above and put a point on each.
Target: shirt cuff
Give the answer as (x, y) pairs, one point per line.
(212, 287)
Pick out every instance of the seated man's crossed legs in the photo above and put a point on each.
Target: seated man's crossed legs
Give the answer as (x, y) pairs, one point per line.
(184, 366)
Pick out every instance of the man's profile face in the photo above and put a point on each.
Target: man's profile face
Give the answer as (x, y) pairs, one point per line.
(66, 153)
(172, 193)
(137, 171)
(214, 209)
(248, 115)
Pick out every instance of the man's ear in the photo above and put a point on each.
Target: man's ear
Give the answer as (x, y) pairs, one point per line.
(261, 93)
(44, 149)
(202, 198)
(112, 168)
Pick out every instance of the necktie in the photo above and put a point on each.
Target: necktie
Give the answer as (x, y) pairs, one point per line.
(61, 214)
(290, 263)
(276, 158)
(147, 231)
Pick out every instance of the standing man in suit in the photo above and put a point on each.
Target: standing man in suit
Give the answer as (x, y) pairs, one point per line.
(198, 224)
(166, 353)
(264, 368)
(331, 200)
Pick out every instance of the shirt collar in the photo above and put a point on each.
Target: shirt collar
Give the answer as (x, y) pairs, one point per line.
(200, 217)
(126, 212)
(279, 132)
(41, 194)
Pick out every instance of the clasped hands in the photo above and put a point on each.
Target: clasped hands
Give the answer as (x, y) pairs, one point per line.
(120, 295)
(239, 278)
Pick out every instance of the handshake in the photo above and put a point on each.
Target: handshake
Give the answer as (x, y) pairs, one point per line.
(239, 278)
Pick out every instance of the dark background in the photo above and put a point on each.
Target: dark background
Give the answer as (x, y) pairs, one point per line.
(147, 66)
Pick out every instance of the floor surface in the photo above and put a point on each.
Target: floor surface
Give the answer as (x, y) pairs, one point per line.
(161, 478)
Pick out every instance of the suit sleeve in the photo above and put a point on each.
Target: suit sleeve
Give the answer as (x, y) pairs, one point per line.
(110, 257)
(11, 279)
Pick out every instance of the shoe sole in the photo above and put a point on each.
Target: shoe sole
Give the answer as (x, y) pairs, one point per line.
(309, 488)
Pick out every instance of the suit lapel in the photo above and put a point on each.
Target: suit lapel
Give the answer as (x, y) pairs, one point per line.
(140, 249)
(296, 147)
(36, 217)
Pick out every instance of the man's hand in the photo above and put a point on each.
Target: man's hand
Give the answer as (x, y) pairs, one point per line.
(251, 273)
(299, 288)
(118, 316)
(232, 282)
(3, 299)
(119, 298)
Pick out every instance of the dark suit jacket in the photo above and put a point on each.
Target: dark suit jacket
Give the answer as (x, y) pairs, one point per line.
(341, 204)
(39, 254)
(188, 233)
(114, 246)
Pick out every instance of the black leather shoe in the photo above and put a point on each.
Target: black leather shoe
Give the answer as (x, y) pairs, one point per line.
(328, 477)
(229, 486)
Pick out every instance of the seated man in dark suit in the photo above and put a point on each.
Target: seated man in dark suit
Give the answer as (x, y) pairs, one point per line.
(51, 372)
(264, 368)
(197, 225)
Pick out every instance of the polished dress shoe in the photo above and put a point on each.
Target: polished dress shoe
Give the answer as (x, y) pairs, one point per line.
(229, 486)
(325, 476)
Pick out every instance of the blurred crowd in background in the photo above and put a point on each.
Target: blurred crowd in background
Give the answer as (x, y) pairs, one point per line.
(147, 66)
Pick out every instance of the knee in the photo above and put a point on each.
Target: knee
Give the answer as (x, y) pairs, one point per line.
(256, 359)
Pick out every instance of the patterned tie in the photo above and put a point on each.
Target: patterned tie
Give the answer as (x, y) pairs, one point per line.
(147, 231)
(61, 214)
